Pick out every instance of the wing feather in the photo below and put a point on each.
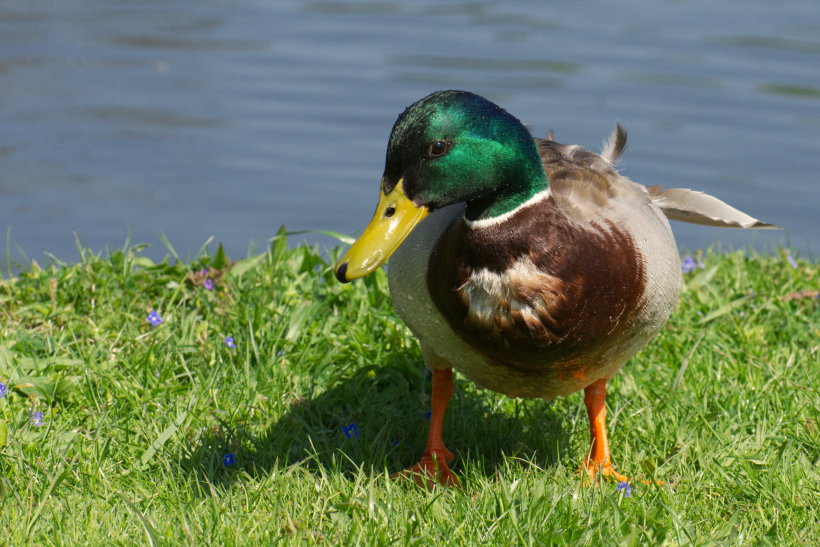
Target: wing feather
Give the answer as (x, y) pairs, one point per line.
(699, 208)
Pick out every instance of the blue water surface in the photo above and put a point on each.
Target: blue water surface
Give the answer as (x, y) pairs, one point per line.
(229, 118)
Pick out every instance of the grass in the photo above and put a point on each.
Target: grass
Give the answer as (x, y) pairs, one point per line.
(722, 407)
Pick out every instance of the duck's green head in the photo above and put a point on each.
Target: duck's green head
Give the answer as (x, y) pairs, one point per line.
(450, 147)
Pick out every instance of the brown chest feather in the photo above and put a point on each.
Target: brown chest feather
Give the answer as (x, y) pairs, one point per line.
(538, 292)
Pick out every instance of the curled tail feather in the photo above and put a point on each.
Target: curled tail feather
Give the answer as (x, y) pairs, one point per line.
(615, 145)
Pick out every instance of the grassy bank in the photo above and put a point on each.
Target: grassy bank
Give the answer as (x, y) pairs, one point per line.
(116, 431)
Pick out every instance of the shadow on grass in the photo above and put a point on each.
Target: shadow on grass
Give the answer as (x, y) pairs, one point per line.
(377, 419)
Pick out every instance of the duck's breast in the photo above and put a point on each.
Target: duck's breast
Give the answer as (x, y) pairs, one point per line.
(407, 273)
(542, 306)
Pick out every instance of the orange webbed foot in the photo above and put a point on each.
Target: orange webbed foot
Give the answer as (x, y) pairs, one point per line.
(609, 474)
(432, 467)
(606, 471)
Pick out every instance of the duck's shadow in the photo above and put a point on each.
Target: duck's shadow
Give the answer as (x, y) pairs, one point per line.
(379, 419)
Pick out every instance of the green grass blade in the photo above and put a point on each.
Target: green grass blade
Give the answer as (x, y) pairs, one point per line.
(146, 524)
(723, 310)
(45, 498)
(169, 247)
(160, 441)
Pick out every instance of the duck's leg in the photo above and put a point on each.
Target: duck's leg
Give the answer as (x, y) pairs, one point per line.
(433, 464)
(598, 460)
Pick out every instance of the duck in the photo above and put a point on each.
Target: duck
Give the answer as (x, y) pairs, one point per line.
(531, 267)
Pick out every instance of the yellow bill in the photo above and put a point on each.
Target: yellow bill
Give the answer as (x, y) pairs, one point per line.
(395, 218)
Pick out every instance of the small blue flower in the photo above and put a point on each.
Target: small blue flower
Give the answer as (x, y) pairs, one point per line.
(395, 443)
(280, 353)
(229, 342)
(625, 487)
(2, 390)
(228, 459)
(37, 419)
(701, 265)
(208, 284)
(688, 264)
(154, 318)
(429, 413)
(351, 431)
(792, 261)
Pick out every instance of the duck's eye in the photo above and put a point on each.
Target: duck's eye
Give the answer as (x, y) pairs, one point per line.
(390, 212)
(438, 148)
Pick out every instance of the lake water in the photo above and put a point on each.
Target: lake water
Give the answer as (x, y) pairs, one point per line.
(202, 118)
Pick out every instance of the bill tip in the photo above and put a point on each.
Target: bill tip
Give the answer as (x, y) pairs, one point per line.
(341, 273)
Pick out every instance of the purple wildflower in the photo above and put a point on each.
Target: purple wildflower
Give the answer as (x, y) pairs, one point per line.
(203, 272)
(229, 342)
(701, 265)
(792, 261)
(280, 353)
(228, 459)
(209, 284)
(2, 390)
(37, 419)
(625, 487)
(154, 318)
(351, 431)
(688, 264)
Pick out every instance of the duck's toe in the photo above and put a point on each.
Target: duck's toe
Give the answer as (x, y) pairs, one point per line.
(431, 469)
(606, 472)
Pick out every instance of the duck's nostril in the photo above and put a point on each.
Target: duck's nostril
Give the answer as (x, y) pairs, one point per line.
(390, 212)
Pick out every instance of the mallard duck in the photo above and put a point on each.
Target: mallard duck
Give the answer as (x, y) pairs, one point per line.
(531, 267)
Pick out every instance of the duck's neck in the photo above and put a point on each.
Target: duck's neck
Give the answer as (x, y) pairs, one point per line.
(530, 185)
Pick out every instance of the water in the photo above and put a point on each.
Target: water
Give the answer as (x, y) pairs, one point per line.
(202, 118)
